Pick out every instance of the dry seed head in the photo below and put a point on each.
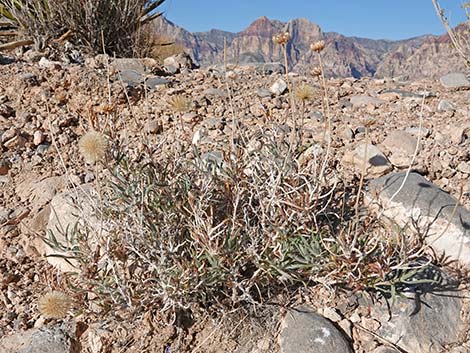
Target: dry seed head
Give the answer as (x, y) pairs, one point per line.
(93, 146)
(318, 46)
(316, 71)
(179, 103)
(281, 38)
(304, 92)
(54, 305)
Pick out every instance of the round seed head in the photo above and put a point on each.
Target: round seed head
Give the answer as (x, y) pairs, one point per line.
(318, 46)
(316, 71)
(281, 38)
(93, 146)
(304, 92)
(54, 305)
(179, 103)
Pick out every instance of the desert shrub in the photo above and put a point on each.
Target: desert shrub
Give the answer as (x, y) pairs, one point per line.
(34, 17)
(93, 23)
(117, 23)
(217, 231)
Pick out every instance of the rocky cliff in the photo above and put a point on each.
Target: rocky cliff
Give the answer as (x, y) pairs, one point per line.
(425, 56)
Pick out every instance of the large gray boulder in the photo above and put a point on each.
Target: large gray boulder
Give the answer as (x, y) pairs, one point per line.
(416, 200)
(455, 80)
(61, 338)
(425, 317)
(304, 331)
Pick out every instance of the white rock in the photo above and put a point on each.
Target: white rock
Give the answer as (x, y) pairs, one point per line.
(48, 64)
(445, 105)
(198, 136)
(71, 212)
(464, 167)
(38, 137)
(278, 87)
(418, 201)
(331, 314)
(368, 156)
(358, 101)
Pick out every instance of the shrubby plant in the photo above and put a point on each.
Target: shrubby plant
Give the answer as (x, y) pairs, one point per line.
(96, 24)
(198, 233)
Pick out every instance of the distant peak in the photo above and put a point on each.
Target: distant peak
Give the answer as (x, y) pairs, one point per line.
(260, 27)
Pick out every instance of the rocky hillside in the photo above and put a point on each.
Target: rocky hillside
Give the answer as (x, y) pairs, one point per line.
(425, 56)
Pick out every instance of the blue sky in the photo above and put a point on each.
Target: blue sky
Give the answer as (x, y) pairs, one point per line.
(388, 19)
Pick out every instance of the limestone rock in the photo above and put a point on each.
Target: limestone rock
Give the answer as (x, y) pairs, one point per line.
(304, 331)
(375, 161)
(60, 338)
(38, 137)
(455, 80)
(445, 105)
(70, 212)
(459, 133)
(214, 92)
(361, 100)
(278, 87)
(402, 147)
(153, 126)
(428, 205)
(263, 93)
(400, 141)
(464, 167)
(402, 93)
(131, 78)
(129, 64)
(152, 82)
(425, 328)
(178, 62)
(39, 192)
(48, 64)
(347, 133)
(416, 131)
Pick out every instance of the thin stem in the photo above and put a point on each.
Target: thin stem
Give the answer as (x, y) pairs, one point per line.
(326, 112)
(358, 196)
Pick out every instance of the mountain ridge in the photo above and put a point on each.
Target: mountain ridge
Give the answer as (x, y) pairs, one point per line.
(344, 56)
